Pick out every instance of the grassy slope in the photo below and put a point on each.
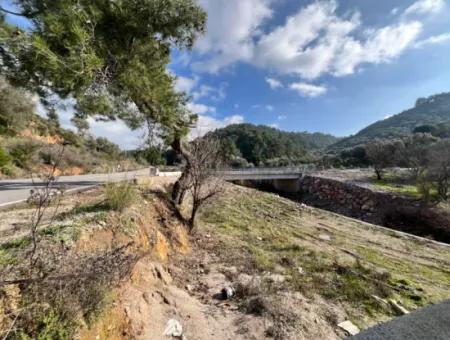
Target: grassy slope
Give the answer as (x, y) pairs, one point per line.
(265, 231)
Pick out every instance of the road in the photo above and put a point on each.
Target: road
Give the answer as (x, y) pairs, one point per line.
(14, 191)
(431, 323)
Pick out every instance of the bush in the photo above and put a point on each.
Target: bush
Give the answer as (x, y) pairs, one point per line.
(22, 153)
(120, 196)
(4, 158)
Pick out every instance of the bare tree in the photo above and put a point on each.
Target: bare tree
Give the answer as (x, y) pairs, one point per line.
(440, 167)
(203, 183)
(43, 198)
(382, 155)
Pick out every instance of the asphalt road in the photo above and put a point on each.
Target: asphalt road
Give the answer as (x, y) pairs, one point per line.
(14, 191)
(431, 323)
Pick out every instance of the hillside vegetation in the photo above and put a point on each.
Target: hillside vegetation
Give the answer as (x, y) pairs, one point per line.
(258, 145)
(33, 144)
(431, 111)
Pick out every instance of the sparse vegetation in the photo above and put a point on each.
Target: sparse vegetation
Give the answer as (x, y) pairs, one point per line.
(121, 195)
(266, 233)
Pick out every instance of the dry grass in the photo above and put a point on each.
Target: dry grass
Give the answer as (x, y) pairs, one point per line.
(343, 260)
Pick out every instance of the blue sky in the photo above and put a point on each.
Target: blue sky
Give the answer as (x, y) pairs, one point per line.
(329, 66)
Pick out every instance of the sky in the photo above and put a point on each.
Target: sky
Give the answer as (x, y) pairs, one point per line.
(331, 66)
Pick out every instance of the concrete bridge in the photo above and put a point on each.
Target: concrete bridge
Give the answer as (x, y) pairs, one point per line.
(283, 179)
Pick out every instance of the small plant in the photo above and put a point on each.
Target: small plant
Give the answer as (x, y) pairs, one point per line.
(4, 158)
(119, 196)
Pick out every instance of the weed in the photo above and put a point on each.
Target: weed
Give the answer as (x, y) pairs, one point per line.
(119, 196)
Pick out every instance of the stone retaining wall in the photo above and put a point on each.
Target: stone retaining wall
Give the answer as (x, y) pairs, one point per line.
(349, 199)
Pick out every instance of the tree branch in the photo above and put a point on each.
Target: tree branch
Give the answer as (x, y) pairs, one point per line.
(12, 13)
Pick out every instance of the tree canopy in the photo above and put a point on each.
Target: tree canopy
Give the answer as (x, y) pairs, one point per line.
(110, 56)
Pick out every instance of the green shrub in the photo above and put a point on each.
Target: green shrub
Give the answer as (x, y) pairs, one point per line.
(22, 153)
(4, 158)
(120, 196)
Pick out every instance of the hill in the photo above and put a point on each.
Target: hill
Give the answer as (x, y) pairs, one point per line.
(262, 145)
(432, 111)
(32, 144)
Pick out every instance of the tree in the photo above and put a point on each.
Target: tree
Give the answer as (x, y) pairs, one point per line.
(381, 154)
(440, 167)
(415, 152)
(53, 117)
(203, 182)
(110, 56)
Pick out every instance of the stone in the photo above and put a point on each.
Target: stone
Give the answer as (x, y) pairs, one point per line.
(399, 309)
(300, 270)
(325, 237)
(275, 278)
(244, 279)
(162, 274)
(349, 327)
(173, 329)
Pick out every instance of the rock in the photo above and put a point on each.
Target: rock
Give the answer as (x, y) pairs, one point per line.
(300, 270)
(189, 288)
(173, 328)
(163, 275)
(275, 278)
(380, 300)
(244, 279)
(349, 327)
(227, 293)
(325, 237)
(399, 309)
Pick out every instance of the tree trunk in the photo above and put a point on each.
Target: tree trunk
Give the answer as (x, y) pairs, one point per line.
(379, 172)
(179, 188)
(193, 215)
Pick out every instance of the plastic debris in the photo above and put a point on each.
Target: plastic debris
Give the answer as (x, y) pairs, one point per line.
(173, 328)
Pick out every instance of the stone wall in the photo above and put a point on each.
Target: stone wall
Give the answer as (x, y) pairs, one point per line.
(349, 199)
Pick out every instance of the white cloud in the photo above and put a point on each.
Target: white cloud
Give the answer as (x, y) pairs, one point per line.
(281, 117)
(200, 108)
(274, 83)
(232, 25)
(185, 84)
(422, 7)
(117, 132)
(269, 107)
(395, 10)
(308, 90)
(206, 124)
(212, 93)
(274, 125)
(435, 39)
(317, 41)
(313, 42)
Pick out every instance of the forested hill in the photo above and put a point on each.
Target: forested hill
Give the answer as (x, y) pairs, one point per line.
(427, 111)
(262, 145)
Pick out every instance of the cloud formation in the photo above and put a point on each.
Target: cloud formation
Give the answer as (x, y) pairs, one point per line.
(274, 83)
(313, 42)
(308, 90)
(206, 124)
(422, 7)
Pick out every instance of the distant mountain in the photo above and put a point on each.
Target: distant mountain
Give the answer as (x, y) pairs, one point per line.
(263, 145)
(432, 111)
